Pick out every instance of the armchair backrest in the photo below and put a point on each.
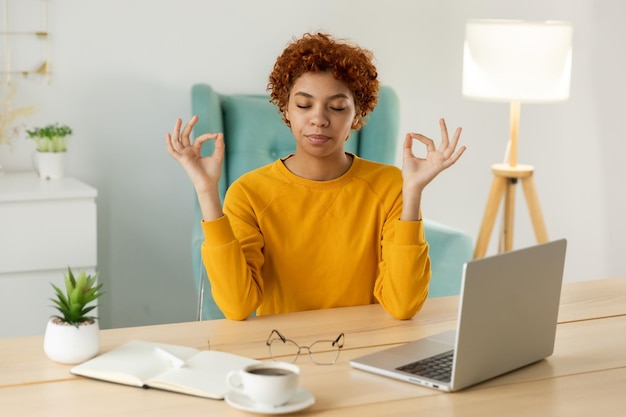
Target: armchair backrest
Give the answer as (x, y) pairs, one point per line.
(255, 135)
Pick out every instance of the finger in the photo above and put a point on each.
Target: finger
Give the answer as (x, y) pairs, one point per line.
(455, 157)
(185, 138)
(445, 141)
(199, 141)
(220, 147)
(170, 147)
(430, 144)
(407, 146)
(452, 145)
(456, 137)
(174, 138)
(176, 130)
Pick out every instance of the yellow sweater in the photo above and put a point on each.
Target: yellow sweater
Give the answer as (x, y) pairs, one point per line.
(290, 244)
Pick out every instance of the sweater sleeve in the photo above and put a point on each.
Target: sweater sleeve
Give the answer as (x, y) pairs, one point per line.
(404, 274)
(233, 268)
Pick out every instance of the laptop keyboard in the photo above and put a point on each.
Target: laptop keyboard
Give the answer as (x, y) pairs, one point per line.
(438, 367)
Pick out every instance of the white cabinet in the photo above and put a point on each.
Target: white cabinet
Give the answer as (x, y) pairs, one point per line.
(45, 226)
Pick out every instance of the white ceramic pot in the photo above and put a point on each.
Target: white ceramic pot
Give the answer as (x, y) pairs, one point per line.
(50, 165)
(69, 344)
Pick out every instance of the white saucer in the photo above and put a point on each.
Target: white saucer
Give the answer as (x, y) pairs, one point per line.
(300, 400)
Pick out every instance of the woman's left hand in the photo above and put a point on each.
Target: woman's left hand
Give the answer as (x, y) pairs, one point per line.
(417, 173)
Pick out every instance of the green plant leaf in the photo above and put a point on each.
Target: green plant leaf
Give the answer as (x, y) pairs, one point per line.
(80, 291)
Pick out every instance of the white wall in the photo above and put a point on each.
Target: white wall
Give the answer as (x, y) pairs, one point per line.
(123, 71)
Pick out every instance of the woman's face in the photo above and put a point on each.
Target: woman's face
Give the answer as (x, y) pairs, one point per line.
(321, 111)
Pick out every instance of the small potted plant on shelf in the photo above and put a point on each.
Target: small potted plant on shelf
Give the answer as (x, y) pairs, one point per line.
(73, 335)
(51, 141)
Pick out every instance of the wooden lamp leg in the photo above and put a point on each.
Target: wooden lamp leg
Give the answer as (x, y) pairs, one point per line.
(509, 214)
(503, 187)
(532, 200)
(506, 177)
(491, 211)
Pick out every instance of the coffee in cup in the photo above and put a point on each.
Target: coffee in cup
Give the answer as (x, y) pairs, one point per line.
(269, 384)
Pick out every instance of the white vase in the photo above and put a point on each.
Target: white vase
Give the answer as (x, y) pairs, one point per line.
(50, 165)
(69, 344)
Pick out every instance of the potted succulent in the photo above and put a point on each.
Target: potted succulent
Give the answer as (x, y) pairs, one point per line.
(51, 141)
(73, 335)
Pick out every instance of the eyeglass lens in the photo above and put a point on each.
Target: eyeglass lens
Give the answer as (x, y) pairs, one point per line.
(323, 352)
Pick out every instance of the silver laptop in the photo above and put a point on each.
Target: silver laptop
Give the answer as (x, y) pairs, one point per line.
(507, 319)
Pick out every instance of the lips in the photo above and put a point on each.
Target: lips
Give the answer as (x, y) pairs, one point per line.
(318, 139)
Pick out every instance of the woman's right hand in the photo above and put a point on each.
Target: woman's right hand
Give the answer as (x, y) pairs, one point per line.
(204, 172)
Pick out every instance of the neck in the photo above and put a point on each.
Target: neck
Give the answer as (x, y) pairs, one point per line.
(319, 169)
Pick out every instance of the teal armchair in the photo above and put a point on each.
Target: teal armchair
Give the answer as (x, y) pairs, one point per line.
(243, 117)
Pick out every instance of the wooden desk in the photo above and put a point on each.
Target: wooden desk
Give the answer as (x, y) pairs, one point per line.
(586, 374)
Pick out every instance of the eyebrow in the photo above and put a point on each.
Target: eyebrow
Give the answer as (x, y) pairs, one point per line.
(307, 95)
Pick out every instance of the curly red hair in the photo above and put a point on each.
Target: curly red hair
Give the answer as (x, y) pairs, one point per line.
(317, 52)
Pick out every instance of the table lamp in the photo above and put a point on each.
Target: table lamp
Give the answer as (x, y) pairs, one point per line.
(515, 61)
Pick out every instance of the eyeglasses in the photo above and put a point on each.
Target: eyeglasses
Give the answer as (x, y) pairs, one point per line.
(322, 352)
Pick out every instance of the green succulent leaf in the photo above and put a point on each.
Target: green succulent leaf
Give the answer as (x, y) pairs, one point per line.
(79, 292)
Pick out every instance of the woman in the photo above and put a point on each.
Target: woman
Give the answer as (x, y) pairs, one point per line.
(320, 228)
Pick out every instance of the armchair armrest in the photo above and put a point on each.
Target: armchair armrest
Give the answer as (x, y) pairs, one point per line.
(449, 250)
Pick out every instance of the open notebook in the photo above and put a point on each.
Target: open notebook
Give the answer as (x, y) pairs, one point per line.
(168, 367)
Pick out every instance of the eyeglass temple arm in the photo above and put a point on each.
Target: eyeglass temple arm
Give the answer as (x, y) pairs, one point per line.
(339, 341)
(269, 339)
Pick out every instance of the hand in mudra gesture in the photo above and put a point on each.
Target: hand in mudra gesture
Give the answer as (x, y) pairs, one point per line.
(419, 172)
(204, 172)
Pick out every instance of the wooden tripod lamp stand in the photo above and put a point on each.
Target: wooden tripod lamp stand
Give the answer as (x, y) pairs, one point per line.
(515, 61)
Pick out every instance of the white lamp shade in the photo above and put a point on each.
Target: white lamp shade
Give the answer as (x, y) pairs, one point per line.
(509, 60)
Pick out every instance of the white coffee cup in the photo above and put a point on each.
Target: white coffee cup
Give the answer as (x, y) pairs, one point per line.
(269, 384)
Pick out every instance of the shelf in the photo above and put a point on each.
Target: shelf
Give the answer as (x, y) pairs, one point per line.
(28, 186)
(25, 38)
(44, 69)
(37, 34)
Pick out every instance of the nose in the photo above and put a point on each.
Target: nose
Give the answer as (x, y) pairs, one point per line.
(319, 117)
